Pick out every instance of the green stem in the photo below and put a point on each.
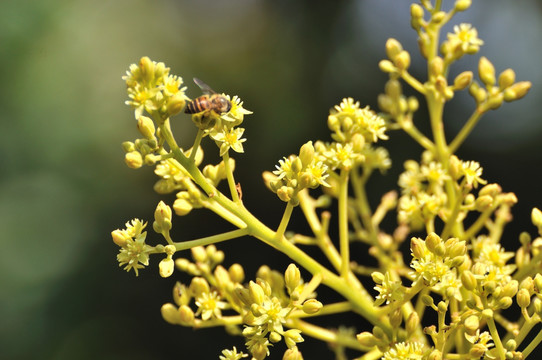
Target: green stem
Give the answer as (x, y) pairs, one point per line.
(285, 220)
(328, 336)
(344, 241)
(195, 147)
(465, 130)
(362, 203)
(496, 338)
(229, 176)
(184, 245)
(328, 309)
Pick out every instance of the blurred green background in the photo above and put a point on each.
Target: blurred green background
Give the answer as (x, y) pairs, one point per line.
(64, 185)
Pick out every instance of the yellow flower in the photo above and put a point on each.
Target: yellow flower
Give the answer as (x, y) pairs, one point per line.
(229, 139)
(232, 354)
(405, 351)
(237, 113)
(134, 253)
(209, 305)
(472, 172)
(151, 88)
(466, 38)
(348, 119)
(388, 291)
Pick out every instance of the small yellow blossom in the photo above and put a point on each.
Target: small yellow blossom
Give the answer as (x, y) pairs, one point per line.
(134, 253)
(229, 139)
(348, 119)
(210, 305)
(232, 354)
(388, 291)
(472, 172)
(465, 36)
(235, 116)
(405, 351)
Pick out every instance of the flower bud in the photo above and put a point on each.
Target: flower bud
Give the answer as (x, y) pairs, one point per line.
(285, 193)
(517, 91)
(462, 5)
(237, 273)
(146, 127)
(166, 267)
(396, 317)
(386, 66)
(256, 293)
(147, 68)
(436, 67)
(186, 315)
(427, 300)
(432, 241)
(199, 286)
(505, 302)
(366, 339)
(306, 154)
(483, 203)
(416, 11)
(274, 337)
(536, 217)
(463, 80)
(133, 159)
(486, 71)
(402, 60)
(472, 323)
(511, 345)
(162, 218)
(495, 101)
(506, 79)
(170, 313)
(119, 237)
(176, 103)
(417, 247)
(312, 306)
(292, 336)
(292, 354)
(393, 48)
(292, 277)
(438, 17)
(412, 322)
(523, 298)
(182, 207)
(378, 277)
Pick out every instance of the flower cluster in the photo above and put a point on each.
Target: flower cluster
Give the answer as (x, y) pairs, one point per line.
(134, 252)
(263, 307)
(457, 268)
(297, 172)
(152, 89)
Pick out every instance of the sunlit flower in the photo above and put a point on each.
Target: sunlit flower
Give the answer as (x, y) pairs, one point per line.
(210, 305)
(232, 354)
(388, 291)
(434, 173)
(472, 172)
(347, 119)
(229, 139)
(405, 351)
(466, 37)
(237, 113)
(134, 253)
(342, 156)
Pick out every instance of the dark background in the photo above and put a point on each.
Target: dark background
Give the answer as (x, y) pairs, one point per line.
(64, 186)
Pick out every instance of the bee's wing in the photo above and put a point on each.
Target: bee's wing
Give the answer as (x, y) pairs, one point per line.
(206, 89)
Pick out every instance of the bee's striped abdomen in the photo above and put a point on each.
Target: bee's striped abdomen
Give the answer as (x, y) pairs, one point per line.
(198, 105)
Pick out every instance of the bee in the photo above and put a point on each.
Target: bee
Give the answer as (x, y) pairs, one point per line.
(209, 102)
